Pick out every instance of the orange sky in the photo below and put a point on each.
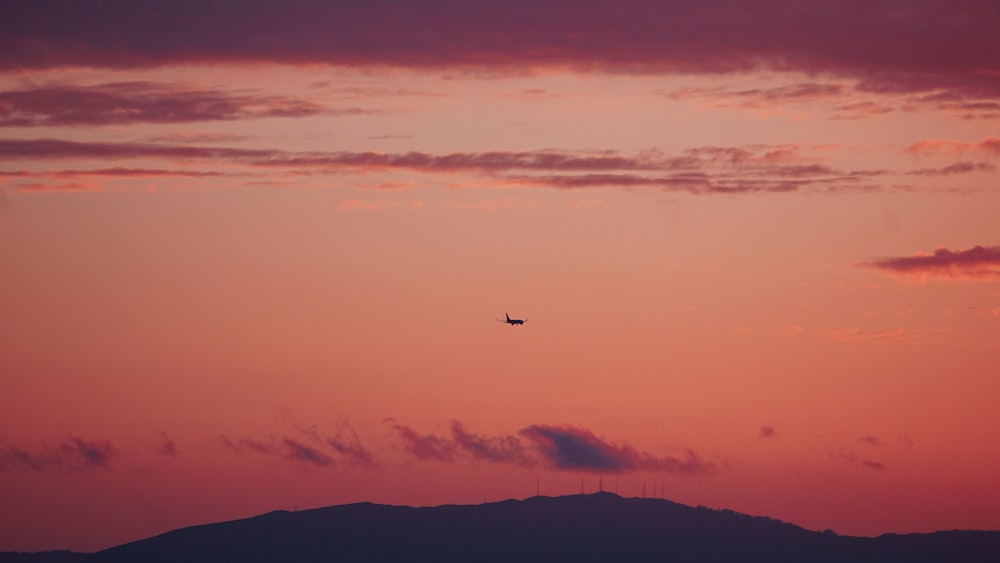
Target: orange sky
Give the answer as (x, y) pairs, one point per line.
(232, 283)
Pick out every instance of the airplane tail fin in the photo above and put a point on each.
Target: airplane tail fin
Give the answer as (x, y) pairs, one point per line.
(508, 317)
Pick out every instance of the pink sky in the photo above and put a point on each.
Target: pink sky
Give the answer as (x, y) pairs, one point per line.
(252, 256)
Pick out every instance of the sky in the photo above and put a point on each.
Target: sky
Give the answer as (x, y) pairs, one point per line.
(253, 255)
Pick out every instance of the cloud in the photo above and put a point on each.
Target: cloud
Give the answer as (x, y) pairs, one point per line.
(559, 447)
(167, 446)
(891, 47)
(297, 451)
(349, 446)
(144, 102)
(865, 335)
(424, 447)
(867, 463)
(956, 168)
(767, 432)
(871, 441)
(701, 170)
(286, 448)
(989, 145)
(508, 449)
(72, 454)
(57, 187)
(567, 447)
(367, 205)
(978, 262)
(994, 312)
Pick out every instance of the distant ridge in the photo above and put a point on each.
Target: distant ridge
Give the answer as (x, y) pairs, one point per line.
(594, 527)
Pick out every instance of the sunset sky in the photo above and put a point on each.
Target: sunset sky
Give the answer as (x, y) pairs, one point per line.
(253, 254)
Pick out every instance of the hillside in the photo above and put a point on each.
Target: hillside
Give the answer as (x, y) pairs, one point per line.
(596, 527)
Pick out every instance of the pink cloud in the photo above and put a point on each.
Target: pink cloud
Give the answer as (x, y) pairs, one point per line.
(994, 312)
(864, 335)
(989, 145)
(767, 432)
(978, 262)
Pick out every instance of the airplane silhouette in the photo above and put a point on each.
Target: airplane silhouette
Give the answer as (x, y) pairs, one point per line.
(511, 321)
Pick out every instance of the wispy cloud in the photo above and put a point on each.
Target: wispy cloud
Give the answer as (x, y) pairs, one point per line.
(348, 445)
(286, 448)
(871, 441)
(167, 446)
(72, 454)
(703, 170)
(868, 335)
(864, 462)
(978, 262)
(144, 102)
(767, 432)
(508, 449)
(424, 446)
(956, 168)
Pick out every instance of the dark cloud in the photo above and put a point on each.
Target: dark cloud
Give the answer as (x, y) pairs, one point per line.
(72, 454)
(560, 447)
(978, 262)
(767, 432)
(348, 445)
(297, 451)
(424, 446)
(143, 102)
(566, 447)
(507, 449)
(167, 446)
(871, 441)
(867, 463)
(285, 448)
(887, 45)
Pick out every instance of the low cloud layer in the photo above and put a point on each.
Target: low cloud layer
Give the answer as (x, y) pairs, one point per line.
(557, 447)
(955, 58)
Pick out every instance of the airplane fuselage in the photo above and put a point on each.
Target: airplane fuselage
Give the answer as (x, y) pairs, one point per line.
(511, 321)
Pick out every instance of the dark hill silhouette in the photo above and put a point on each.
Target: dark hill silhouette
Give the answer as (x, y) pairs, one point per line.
(596, 527)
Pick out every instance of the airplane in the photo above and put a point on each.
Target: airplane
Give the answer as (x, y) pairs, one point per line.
(511, 321)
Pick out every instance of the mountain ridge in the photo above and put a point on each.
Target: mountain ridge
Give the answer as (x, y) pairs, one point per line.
(592, 527)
